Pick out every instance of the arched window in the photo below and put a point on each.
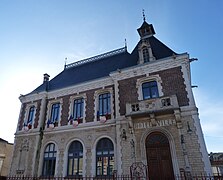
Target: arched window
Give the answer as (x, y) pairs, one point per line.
(145, 54)
(75, 159)
(104, 157)
(150, 90)
(49, 161)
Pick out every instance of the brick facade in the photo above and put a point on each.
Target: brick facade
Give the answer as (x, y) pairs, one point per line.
(173, 83)
(127, 92)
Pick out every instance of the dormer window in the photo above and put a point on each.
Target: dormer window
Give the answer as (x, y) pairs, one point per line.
(145, 54)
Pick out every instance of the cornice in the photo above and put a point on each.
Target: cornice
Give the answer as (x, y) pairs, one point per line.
(98, 83)
(150, 67)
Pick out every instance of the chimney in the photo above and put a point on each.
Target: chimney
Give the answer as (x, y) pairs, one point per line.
(46, 77)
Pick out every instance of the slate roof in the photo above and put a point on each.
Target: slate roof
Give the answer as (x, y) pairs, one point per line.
(102, 67)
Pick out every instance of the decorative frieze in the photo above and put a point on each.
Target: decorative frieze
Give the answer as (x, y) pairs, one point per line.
(158, 123)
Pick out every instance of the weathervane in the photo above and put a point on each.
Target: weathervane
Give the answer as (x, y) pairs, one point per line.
(143, 14)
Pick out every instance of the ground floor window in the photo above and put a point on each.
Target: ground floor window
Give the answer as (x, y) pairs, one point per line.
(104, 157)
(49, 161)
(75, 159)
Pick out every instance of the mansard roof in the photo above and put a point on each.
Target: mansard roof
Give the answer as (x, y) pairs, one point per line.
(101, 66)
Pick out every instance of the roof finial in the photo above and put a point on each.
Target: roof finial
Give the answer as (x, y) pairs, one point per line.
(143, 14)
(65, 62)
(125, 44)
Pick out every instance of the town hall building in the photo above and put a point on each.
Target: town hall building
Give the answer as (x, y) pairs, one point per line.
(113, 112)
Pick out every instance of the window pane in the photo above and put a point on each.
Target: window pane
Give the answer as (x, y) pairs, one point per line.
(146, 94)
(100, 107)
(99, 166)
(70, 161)
(80, 166)
(154, 92)
(105, 166)
(109, 105)
(75, 171)
(111, 165)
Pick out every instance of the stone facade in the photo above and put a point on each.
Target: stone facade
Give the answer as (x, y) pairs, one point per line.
(135, 126)
(6, 150)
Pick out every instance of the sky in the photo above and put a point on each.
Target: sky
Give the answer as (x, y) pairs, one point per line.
(37, 35)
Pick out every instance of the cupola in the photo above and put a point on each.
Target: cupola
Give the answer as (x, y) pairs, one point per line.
(146, 30)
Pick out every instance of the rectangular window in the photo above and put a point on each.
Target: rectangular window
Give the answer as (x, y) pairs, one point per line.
(150, 90)
(31, 115)
(55, 111)
(104, 104)
(78, 109)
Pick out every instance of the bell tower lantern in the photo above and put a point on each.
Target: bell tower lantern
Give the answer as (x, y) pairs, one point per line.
(146, 30)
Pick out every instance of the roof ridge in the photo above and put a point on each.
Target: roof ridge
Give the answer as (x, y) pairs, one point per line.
(96, 58)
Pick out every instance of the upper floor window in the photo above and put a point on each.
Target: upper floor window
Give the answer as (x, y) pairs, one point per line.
(105, 105)
(55, 112)
(49, 161)
(29, 118)
(150, 90)
(75, 159)
(78, 109)
(104, 157)
(31, 115)
(145, 54)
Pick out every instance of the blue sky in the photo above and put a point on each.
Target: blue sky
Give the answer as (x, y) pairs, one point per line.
(37, 36)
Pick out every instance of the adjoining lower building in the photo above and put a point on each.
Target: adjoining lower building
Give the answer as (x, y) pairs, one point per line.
(216, 163)
(108, 112)
(6, 150)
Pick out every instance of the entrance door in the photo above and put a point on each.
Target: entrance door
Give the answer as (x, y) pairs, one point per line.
(159, 157)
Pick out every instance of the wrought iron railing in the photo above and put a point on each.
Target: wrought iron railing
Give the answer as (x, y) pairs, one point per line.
(114, 177)
(95, 58)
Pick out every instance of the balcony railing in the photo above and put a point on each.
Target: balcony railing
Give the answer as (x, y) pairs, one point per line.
(156, 105)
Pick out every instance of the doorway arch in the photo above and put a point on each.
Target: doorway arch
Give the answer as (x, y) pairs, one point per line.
(158, 155)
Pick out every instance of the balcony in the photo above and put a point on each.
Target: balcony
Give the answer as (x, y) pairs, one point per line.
(158, 106)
